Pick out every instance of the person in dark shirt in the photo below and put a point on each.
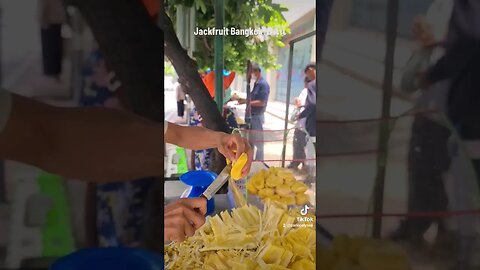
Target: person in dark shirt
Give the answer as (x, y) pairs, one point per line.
(259, 100)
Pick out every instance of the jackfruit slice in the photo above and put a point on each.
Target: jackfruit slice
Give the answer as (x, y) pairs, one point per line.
(251, 188)
(265, 193)
(258, 181)
(303, 264)
(283, 190)
(237, 167)
(271, 254)
(299, 187)
(273, 181)
(290, 200)
(301, 199)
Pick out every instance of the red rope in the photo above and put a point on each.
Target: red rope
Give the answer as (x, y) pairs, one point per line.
(279, 160)
(265, 130)
(413, 215)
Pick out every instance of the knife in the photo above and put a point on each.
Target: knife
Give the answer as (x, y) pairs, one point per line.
(221, 179)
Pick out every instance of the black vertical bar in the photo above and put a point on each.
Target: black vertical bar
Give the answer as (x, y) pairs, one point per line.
(384, 133)
(3, 198)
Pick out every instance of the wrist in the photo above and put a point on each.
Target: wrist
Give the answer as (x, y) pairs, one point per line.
(219, 137)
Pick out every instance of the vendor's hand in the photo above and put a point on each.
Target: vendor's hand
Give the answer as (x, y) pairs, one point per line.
(234, 145)
(183, 217)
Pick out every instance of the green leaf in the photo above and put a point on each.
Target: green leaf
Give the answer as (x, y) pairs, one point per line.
(201, 5)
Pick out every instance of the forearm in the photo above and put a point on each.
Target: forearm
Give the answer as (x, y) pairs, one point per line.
(257, 103)
(193, 138)
(93, 144)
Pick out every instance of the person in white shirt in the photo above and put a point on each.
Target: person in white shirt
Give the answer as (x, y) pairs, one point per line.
(77, 142)
(180, 94)
(428, 158)
(299, 136)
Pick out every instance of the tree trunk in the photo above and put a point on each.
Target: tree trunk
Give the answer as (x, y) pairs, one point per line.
(131, 44)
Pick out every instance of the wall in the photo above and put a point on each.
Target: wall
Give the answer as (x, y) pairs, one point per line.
(301, 57)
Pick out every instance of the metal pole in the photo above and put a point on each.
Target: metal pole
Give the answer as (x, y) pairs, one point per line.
(289, 88)
(3, 198)
(248, 111)
(219, 22)
(181, 25)
(77, 55)
(384, 133)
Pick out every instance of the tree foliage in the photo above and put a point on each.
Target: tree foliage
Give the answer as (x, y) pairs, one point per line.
(169, 70)
(240, 14)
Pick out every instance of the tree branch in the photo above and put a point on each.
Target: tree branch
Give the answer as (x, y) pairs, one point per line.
(188, 69)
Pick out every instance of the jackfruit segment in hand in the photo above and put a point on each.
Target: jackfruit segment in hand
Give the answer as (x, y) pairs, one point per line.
(286, 189)
(361, 253)
(237, 166)
(246, 239)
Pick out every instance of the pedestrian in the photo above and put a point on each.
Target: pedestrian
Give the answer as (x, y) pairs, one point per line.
(77, 142)
(299, 136)
(52, 16)
(309, 113)
(180, 94)
(259, 101)
(428, 158)
(461, 66)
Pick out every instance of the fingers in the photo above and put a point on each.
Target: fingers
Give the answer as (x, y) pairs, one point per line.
(182, 207)
(226, 148)
(172, 233)
(248, 165)
(197, 203)
(240, 145)
(183, 217)
(177, 228)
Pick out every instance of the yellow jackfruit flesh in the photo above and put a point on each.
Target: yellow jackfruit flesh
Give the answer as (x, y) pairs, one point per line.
(237, 167)
(248, 239)
(299, 187)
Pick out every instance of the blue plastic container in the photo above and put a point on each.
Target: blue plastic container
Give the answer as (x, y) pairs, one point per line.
(110, 259)
(198, 182)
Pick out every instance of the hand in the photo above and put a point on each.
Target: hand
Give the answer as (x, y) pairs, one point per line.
(423, 82)
(232, 146)
(183, 217)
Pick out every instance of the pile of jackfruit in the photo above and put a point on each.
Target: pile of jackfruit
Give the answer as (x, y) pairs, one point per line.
(278, 184)
(248, 239)
(361, 253)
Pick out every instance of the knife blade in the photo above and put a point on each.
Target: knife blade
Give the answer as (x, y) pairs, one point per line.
(221, 179)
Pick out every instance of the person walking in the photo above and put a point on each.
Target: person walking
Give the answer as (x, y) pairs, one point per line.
(180, 94)
(428, 158)
(299, 136)
(309, 113)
